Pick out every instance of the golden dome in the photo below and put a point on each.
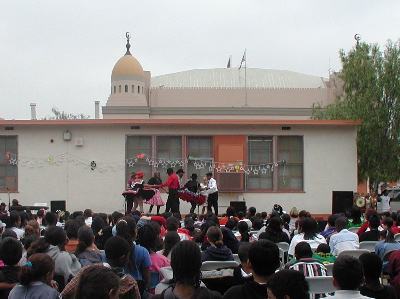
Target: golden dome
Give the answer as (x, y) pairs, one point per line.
(127, 65)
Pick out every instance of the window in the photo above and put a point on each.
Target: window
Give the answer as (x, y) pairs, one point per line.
(138, 89)
(290, 149)
(126, 88)
(259, 155)
(119, 88)
(142, 90)
(115, 89)
(133, 88)
(8, 170)
(137, 145)
(199, 150)
(264, 151)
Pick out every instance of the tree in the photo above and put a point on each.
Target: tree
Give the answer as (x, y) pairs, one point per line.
(64, 115)
(371, 93)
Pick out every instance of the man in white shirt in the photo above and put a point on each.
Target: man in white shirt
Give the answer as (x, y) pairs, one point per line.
(212, 194)
(344, 239)
(385, 201)
(348, 275)
(180, 173)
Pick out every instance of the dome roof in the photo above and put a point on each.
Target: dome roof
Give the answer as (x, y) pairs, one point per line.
(127, 65)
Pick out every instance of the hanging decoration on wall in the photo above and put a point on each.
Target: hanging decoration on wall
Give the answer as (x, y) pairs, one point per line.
(201, 164)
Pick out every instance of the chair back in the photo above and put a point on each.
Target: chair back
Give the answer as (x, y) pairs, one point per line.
(397, 237)
(387, 255)
(214, 265)
(320, 284)
(353, 252)
(369, 245)
(283, 245)
(329, 268)
(236, 258)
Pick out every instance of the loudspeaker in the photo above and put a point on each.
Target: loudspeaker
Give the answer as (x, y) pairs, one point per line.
(57, 206)
(240, 206)
(342, 201)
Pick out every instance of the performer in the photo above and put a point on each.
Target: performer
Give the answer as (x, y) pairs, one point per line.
(156, 200)
(204, 192)
(192, 194)
(173, 185)
(137, 193)
(129, 196)
(180, 173)
(212, 194)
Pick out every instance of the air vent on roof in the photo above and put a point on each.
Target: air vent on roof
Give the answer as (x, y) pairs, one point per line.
(79, 141)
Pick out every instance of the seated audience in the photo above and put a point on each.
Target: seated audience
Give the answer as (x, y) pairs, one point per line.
(170, 240)
(10, 254)
(274, 232)
(331, 227)
(373, 233)
(372, 273)
(117, 252)
(217, 251)
(15, 221)
(229, 239)
(230, 213)
(308, 232)
(305, 263)
(186, 264)
(344, 239)
(355, 218)
(287, 284)
(36, 279)
(173, 224)
(86, 252)
(387, 243)
(71, 227)
(348, 275)
(294, 214)
(323, 254)
(101, 229)
(263, 262)
(365, 225)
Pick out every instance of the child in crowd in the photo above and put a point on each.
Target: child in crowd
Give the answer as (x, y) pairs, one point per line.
(10, 254)
(36, 279)
(217, 251)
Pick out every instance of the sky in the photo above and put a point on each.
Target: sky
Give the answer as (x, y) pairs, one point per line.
(61, 53)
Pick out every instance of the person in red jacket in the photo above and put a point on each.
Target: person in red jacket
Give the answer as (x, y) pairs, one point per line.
(173, 185)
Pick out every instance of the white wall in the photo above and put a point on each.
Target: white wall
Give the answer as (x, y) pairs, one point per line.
(330, 164)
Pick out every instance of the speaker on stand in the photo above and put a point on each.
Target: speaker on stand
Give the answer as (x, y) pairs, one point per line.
(240, 206)
(342, 201)
(57, 206)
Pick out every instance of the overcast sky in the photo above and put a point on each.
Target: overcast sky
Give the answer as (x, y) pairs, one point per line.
(61, 53)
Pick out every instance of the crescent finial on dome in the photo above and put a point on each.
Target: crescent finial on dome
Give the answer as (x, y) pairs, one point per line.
(128, 45)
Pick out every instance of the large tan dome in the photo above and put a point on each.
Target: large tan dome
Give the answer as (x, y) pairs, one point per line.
(127, 65)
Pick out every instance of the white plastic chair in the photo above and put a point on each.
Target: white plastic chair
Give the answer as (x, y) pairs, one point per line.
(353, 229)
(213, 265)
(397, 237)
(285, 248)
(353, 252)
(236, 258)
(329, 268)
(320, 284)
(369, 245)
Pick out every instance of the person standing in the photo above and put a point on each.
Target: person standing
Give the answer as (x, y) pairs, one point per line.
(173, 185)
(193, 186)
(385, 200)
(156, 200)
(180, 173)
(212, 194)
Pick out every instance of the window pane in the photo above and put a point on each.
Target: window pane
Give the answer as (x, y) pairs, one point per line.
(8, 172)
(296, 157)
(284, 142)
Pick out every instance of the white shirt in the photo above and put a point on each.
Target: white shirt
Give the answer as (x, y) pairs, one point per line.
(343, 240)
(19, 232)
(385, 200)
(318, 239)
(347, 294)
(212, 184)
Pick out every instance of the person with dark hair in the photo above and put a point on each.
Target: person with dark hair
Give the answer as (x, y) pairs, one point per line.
(101, 229)
(308, 231)
(86, 252)
(88, 215)
(212, 191)
(373, 233)
(274, 232)
(36, 279)
(71, 227)
(387, 243)
(173, 185)
(217, 251)
(287, 284)
(263, 262)
(173, 224)
(10, 254)
(139, 263)
(8, 233)
(53, 244)
(32, 228)
(229, 239)
(348, 275)
(331, 226)
(242, 273)
(170, 240)
(117, 251)
(305, 263)
(365, 225)
(230, 213)
(344, 239)
(147, 237)
(97, 282)
(244, 232)
(186, 264)
(15, 221)
(355, 218)
(232, 223)
(372, 273)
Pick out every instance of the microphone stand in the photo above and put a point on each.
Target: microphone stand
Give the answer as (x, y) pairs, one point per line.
(9, 200)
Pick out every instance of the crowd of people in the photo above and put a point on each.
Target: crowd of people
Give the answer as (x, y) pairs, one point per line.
(94, 255)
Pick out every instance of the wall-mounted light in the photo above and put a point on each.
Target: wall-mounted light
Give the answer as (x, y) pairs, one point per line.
(67, 136)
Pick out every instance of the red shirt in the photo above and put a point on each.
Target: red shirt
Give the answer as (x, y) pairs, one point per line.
(172, 182)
